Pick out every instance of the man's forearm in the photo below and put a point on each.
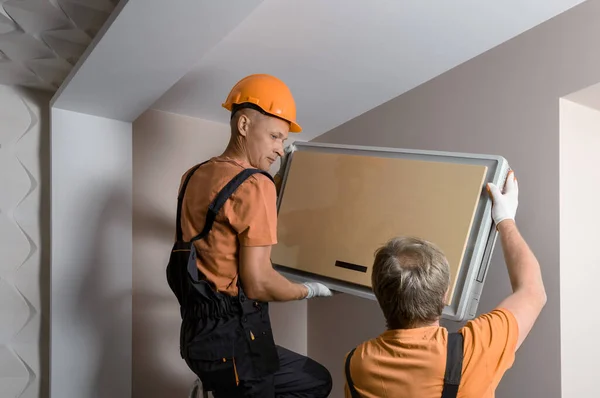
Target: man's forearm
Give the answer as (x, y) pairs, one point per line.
(528, 297)
(261, 281)
(276, 287)
(523, 268)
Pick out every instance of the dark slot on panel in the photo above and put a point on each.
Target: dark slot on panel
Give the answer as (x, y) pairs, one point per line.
(353, 267)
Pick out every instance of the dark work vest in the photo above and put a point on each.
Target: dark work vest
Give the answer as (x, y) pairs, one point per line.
(223, 339)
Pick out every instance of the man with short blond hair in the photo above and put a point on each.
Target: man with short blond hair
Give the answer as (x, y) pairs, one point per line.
(416, 357)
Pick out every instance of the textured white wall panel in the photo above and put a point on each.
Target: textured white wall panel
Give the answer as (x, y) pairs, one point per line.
(24, 282)
(41, 40)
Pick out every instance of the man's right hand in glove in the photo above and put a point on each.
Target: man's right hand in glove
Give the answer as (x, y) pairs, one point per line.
(505, 204)
(316, 289)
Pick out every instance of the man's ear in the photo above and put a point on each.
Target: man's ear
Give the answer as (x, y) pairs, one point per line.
(243, 124)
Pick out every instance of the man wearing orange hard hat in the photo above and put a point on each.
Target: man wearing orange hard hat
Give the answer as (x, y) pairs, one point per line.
(220, 268)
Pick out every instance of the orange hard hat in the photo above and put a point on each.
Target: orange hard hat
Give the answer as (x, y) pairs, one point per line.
(267, 93)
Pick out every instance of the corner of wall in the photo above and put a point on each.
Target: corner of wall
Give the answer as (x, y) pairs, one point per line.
(579, 235)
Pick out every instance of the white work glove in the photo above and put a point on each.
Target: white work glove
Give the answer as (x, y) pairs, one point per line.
(316, 289)
(505, 204)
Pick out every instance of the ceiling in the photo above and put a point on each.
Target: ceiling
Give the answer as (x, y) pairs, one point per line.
(342, 58)
(142, 50)
(42, 40)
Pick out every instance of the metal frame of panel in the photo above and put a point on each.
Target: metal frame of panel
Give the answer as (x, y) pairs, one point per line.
(481, 240)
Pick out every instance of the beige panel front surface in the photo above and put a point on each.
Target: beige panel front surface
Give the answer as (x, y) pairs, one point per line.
(339, 207)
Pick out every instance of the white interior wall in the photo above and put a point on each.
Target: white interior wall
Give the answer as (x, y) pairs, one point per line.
(91, 256)
(24, 242)
(165, 145)
(579, 236)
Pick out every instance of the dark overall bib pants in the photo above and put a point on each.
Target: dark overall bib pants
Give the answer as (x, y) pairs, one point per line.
(452, 376)
(228, 341)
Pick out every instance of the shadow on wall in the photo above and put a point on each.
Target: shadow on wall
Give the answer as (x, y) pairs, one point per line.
(156, 318)
(102, 306)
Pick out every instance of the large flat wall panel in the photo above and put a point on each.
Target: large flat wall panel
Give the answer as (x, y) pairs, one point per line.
(339, 202)
(165, 145)
(579, 237)
(337, 207)
(24, 243)
(91, 256)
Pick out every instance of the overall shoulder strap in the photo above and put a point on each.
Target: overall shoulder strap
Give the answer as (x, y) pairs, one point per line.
(454, 361)
(214, 209)
(222, 197)
(353, 392)
(180, 199)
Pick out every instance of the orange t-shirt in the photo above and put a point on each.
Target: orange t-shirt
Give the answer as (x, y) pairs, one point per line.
(248, 218)
(411, 362)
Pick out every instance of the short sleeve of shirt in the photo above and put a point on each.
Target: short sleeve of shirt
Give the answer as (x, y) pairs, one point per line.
(489, 350)
(253, 212)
